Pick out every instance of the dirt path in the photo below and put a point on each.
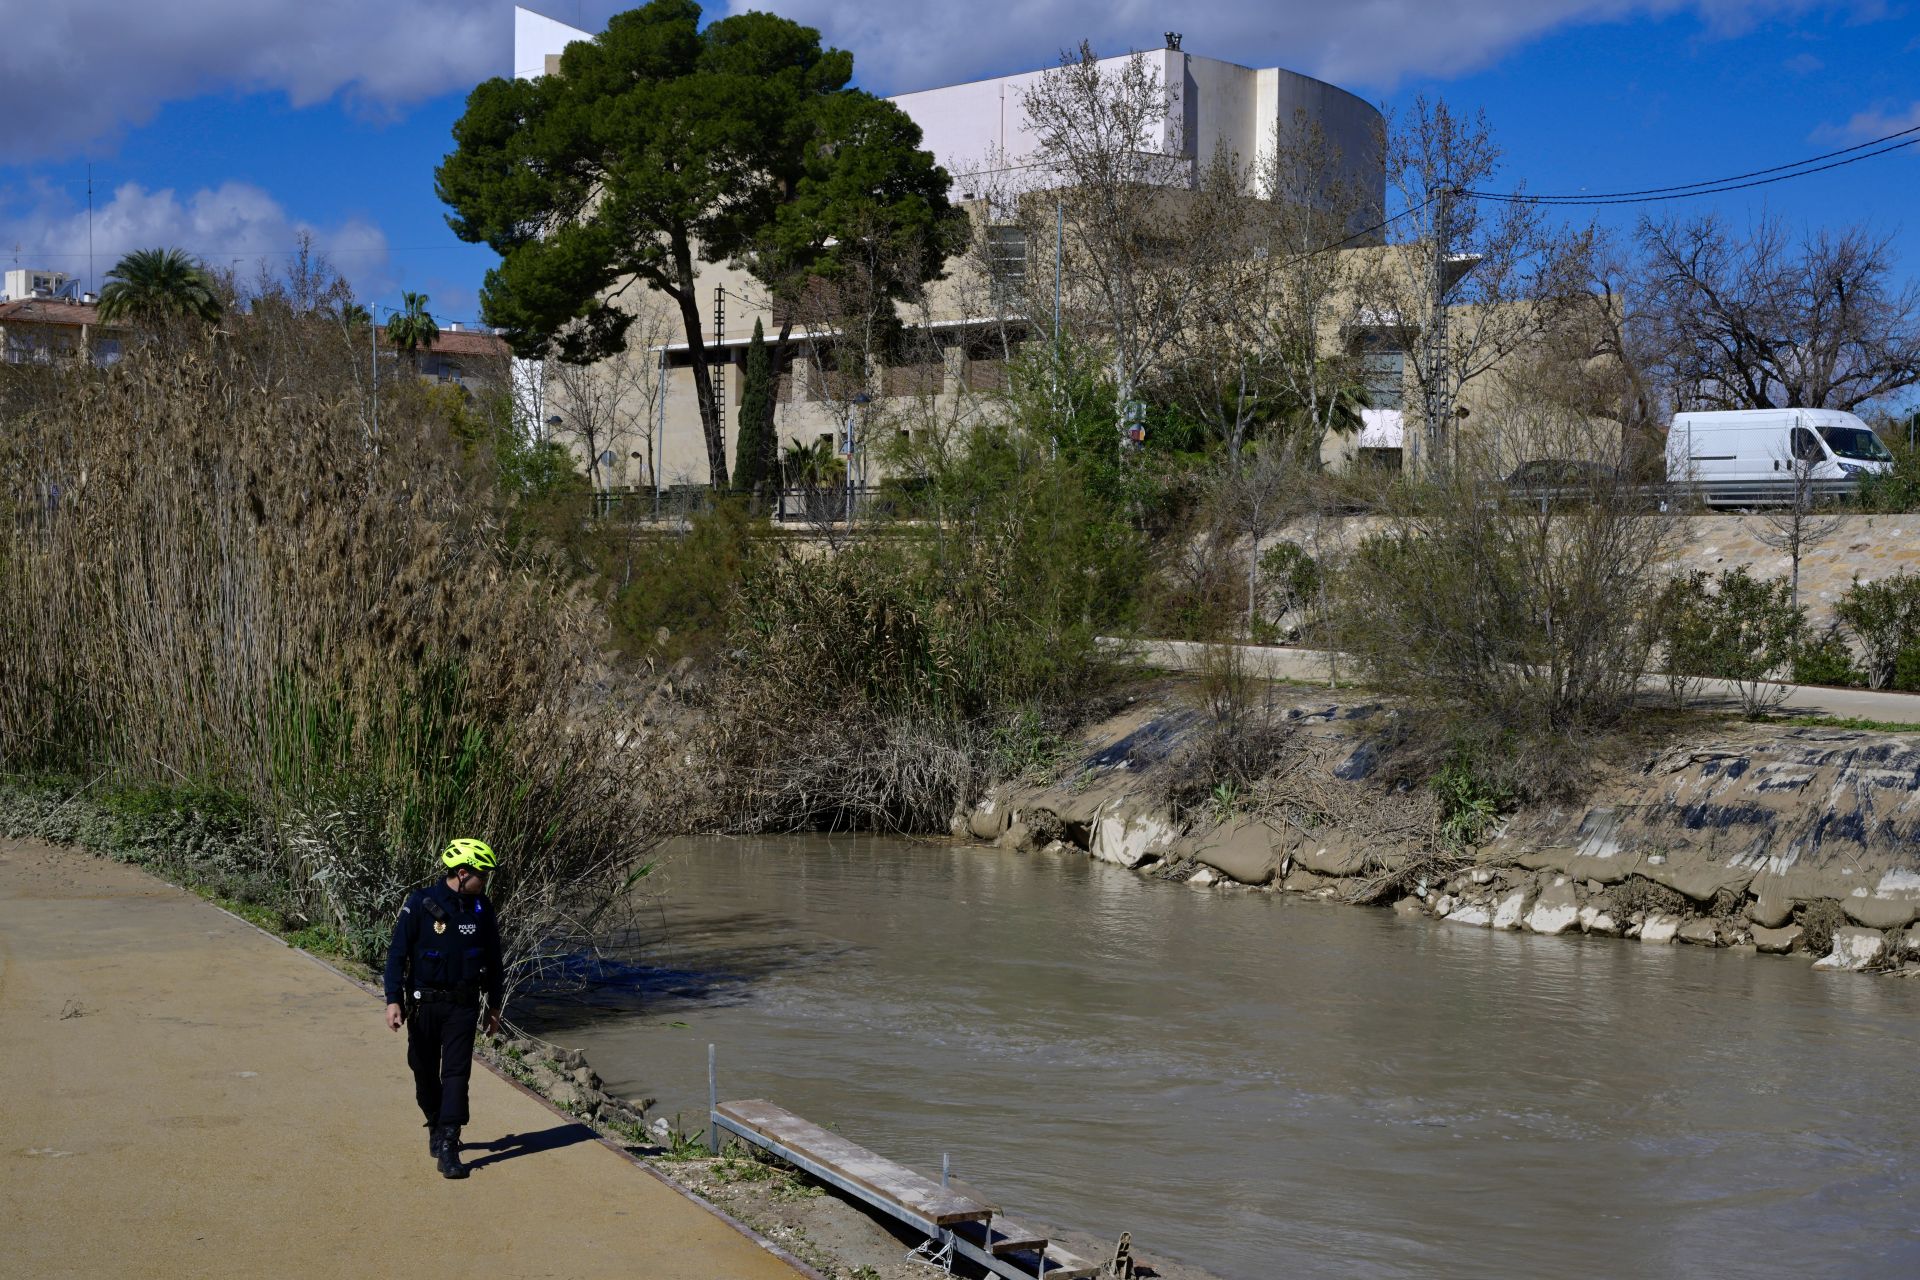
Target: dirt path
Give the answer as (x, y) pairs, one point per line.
(185, 1096)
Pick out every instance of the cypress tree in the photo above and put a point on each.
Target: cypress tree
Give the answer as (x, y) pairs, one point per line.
(754, 446)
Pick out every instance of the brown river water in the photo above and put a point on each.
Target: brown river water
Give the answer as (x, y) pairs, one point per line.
(1264, 1086)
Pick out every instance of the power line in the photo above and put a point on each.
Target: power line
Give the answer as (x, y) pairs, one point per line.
(1717, 186)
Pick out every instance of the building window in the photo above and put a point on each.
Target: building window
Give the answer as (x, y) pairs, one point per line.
(1383, 373)
(1007, 262)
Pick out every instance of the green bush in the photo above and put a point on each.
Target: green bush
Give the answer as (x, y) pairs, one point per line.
(676, 590)
(873, 685)
(1735, 627)
(1472, 798)
(1826, 659)
(1896, 490)
(1290, 579)
(1884, 619)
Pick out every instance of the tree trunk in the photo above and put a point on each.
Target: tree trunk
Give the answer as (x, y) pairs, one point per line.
(711, 427)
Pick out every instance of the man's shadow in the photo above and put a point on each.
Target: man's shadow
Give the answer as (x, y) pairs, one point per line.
(513, 1145)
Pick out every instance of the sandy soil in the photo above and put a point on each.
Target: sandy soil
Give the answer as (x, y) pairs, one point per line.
(189, 1097)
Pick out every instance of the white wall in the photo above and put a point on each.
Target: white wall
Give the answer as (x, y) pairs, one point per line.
(535, 38)
(965, 125)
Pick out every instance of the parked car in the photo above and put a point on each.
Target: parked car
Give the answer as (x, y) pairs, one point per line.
(1560, 473)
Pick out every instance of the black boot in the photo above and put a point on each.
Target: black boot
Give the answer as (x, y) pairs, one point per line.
(433, 1140)
(450, 1166)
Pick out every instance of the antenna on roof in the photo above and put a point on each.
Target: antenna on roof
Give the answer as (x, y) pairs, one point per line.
(1173, 41)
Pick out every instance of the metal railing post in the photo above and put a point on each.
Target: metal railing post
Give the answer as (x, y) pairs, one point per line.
(713, 1105)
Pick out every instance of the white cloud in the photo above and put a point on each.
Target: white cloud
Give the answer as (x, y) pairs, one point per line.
(1363, 45)
(233, 226)
(74, 72)
(1877, 122)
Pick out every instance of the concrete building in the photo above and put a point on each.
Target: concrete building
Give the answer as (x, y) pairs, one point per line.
(976, 130)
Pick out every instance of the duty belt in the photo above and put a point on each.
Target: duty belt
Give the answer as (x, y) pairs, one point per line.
(466, 993)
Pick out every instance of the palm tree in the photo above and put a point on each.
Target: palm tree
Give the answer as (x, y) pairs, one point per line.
(151, 286)
(808, 464)
(414, 327)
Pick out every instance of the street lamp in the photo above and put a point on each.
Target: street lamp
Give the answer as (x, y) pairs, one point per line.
(858, 400)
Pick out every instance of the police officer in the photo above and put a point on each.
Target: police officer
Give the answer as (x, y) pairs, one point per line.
(444, 957)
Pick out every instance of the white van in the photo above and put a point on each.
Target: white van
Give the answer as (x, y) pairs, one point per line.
(1746, 455)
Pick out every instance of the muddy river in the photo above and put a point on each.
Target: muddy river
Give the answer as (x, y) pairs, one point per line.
(1264, 1086)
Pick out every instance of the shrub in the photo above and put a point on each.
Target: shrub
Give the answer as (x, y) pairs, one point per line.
(1735, 627)
(1239, 737)
(676, 590)
(1898, 489)
(1472, 799)
(1884, 619)
(1525, 617)
(1827, 660)
(873, 685)
(1290, 581)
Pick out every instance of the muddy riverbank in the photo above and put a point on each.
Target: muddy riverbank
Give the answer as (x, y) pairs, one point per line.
(1789, 840)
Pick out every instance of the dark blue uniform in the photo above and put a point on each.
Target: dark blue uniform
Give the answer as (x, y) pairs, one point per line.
(445, 955)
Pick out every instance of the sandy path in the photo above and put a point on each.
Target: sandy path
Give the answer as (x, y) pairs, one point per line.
(184, 1096)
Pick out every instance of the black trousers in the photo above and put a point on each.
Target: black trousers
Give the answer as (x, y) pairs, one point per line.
(440, 1051)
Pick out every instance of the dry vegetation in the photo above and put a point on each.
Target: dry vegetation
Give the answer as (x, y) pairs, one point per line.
(218, 579)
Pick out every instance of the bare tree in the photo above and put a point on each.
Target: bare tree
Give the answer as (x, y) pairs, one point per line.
(1466, 281)
(1146, 231)
(1799, 526)
(608, 410)
(1765, 321)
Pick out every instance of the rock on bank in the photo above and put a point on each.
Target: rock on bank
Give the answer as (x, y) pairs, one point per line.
(1789, 840)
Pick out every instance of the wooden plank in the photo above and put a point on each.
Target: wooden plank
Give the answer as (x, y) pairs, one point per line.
(1010, 1237)
(1001, 1237)
(1022, 1248)
(1062, 1265)
(857, 1165)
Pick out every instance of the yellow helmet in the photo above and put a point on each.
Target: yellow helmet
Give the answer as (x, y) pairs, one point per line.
(469, 853)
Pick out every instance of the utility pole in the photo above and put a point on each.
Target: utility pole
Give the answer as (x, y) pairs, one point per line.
(1439, 400)
(660, 429)
(719, 351)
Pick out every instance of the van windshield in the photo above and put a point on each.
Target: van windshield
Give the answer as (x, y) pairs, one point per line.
(1858, 443)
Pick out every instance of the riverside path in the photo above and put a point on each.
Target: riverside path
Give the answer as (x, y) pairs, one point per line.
(186, 1096)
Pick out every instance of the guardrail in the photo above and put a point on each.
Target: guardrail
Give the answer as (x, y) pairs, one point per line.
(1783, 492)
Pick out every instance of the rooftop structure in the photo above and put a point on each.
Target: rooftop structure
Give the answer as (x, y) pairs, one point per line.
(22, 283)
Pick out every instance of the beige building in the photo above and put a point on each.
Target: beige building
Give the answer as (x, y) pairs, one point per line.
(40, 330)
(645, 429)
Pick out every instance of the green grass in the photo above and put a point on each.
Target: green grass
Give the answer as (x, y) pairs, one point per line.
(1846, 722)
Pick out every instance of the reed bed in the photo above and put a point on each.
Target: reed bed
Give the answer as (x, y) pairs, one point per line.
(216, 580)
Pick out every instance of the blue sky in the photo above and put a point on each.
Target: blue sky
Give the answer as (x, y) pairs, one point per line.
(227, 126)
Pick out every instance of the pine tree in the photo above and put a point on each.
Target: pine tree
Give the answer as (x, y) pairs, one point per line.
(754, 448)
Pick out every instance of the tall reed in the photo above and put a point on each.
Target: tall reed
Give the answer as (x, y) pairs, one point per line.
(216, 576)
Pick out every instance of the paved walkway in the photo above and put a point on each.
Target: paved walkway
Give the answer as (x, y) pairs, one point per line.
(1274, 662)
(187, 1097)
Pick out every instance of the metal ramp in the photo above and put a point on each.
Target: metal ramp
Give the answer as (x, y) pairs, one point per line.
(953, 1222)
